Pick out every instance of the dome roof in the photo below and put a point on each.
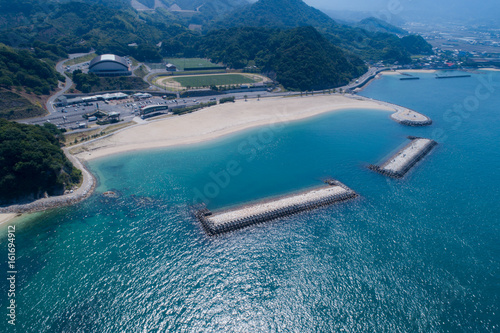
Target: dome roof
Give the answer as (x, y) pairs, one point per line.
(108, 58)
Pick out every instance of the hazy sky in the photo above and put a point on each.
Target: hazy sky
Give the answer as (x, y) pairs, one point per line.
(409, 4)
(434, 8)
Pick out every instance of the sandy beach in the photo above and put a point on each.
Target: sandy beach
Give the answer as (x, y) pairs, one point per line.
(6, 217)
(490, 69)
(416, 71)
(218, 121)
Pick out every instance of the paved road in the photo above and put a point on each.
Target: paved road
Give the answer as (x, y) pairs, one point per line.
(363, 79)
(67, 84)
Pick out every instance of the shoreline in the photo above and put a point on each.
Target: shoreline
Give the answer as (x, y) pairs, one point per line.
(218, 121)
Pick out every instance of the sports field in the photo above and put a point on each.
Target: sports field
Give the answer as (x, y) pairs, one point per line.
(182, 63)
(209, 80)
(179, 83)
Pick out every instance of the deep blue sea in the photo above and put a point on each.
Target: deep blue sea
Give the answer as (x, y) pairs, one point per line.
(421, 254)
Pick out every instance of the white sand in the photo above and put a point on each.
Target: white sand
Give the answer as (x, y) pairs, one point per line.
(490, 69)
(303, 198)
(6, 217)
(416, 71)
(220, 120)
(406, 155)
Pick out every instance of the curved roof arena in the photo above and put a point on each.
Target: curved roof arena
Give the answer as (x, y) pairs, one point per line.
(108, 63)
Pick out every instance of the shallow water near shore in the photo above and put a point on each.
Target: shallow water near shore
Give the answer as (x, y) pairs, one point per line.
(417, 254)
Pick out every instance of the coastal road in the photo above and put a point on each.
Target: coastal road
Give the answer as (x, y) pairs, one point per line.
(363, 79)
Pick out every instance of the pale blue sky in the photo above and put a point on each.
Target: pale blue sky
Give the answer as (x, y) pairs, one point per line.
(458, 9)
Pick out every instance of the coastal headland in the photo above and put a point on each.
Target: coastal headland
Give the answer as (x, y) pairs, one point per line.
(85, 189)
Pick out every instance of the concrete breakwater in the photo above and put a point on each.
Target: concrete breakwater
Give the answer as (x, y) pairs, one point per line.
(400, 163)
(240, 217)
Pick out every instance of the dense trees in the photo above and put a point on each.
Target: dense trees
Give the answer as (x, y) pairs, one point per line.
(301, 58)
(415, 44)
(78, 27)
(32, 162)
(377, 25)
(19, 68)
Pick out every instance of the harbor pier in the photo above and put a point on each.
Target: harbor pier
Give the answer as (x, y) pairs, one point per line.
(400, 163)
(268, 210)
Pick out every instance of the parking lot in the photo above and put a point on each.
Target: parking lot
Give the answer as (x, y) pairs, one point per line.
(71, 116)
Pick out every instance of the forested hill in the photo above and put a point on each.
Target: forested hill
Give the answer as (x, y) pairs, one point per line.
(301, 58)
(78, 27)
(32, 162)
(278, 13)
(20, 68)
(296, 13)
(373, 24)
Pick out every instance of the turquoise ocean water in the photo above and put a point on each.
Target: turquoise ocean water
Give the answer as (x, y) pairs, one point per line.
(421, 254)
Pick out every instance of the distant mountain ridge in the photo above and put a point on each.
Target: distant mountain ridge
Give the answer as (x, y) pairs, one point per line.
(295, 13)
(278, 13)
(373, 24)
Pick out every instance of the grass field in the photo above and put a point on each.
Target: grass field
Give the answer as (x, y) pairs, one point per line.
(209, 80)
(182, 63)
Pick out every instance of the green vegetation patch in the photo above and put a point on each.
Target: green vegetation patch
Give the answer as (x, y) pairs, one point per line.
(182, 63)
(32, 162)
(213, 80)
(14, 106)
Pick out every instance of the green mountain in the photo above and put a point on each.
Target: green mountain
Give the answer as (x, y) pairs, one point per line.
(20, 69)
(22, 78)
(299, 58)
(295, 13)
(78, 27)
(373, 24)
(415, 44)
(278, 13)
